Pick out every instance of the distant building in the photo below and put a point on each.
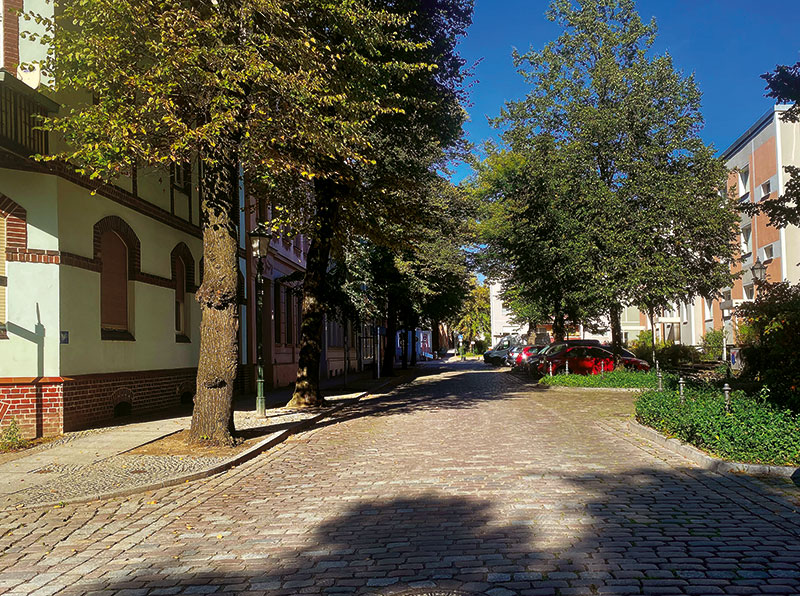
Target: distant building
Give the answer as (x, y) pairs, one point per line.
(501, 318)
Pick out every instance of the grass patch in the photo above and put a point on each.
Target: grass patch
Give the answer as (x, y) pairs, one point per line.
(754, 431)
(618, 378)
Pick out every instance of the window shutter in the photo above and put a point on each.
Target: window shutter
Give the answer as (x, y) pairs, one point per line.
(113, 283)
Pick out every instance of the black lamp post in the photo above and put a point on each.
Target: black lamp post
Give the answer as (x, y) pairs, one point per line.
(260, 238)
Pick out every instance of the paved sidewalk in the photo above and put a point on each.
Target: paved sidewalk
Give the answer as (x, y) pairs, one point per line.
(97, 462)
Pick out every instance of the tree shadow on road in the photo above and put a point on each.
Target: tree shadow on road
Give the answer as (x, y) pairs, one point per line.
(640, 531)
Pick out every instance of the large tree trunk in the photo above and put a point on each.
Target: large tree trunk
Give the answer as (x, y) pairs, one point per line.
(435, 340)
(615, 313)
(306, 391)
(391, 333)
(559, 324)
(212, 419)
(414, 344)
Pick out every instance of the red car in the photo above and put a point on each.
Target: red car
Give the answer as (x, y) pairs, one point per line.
(587, 360)
(523, 354)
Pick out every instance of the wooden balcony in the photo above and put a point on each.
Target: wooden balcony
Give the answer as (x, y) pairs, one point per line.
(20, 109)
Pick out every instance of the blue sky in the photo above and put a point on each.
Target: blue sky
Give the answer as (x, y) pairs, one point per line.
(728, 44)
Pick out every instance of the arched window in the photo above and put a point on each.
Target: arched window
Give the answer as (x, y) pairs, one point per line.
(113, 285)
(181, 313)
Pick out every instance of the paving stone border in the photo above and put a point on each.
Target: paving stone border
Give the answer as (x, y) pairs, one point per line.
(707, 462)
(592, 389)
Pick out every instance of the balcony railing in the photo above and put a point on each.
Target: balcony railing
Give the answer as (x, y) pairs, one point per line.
(21, 109)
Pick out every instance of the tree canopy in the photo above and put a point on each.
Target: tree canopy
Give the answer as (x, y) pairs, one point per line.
(612, 171)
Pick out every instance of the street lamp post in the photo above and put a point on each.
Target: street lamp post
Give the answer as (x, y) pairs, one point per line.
(759, 270)
(260, 238)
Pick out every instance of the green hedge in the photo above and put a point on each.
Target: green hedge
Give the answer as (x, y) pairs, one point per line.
(616, 378)
(753, 432)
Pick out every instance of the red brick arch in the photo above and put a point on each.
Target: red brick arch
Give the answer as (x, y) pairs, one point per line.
(16, 226)
(182, 251)
(129, 237)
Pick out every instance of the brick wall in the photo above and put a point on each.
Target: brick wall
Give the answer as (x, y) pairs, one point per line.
(36, 405)
(92, 399)
(50, 406)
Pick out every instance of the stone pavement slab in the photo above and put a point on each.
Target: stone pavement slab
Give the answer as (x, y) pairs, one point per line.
(463, 480)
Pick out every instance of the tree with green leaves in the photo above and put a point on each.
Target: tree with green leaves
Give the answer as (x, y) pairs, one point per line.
(283, 92)
(473, 320)
(389, 195)
(626, 126)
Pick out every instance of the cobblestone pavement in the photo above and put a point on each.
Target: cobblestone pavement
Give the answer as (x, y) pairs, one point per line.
(464, 480)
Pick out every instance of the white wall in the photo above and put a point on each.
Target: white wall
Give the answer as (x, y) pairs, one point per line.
(31, 349)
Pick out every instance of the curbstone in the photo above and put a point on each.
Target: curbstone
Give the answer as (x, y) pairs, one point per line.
(708, 462)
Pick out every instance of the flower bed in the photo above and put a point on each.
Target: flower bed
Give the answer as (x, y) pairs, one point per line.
(753, 431)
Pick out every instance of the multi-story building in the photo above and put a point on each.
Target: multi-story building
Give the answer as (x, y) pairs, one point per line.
(757, 162)
(97, 311)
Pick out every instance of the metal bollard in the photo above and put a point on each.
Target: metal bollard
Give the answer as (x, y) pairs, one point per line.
(602, 367)
(551, 369)
(681, 385)
(657, 369)
(660, 381)
(726, 389)
(566, 366)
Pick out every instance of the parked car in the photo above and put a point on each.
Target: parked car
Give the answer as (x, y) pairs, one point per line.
(522, 355)
(587, 360)
(531, 366)
(498, 354)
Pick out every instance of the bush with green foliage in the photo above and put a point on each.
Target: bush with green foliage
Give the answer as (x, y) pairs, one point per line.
(620, 378)
(754, 431)
(773, 354)
(11, 437)
(712, 344)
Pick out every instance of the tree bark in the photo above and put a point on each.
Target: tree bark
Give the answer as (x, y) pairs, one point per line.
(391, 332)
(414, 344)
(435, 340)
(212, 419)
(559, 326)
(315, 285)
(615, 315)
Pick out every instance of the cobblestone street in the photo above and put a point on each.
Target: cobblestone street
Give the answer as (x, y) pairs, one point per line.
(465, 479)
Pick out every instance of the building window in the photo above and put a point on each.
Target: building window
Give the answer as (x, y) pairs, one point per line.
(747, 240)
(114, 287)
(749, 292)
(707, 304)
(769, 252)
(3, 278)
(276, 309)
(765, 189)
(744, 182)
(289, 317)
(299, 317)
(181, 312)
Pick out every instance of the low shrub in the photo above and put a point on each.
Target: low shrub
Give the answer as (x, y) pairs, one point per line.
(620, 378)
(11, 438)
(712, 344)
(754, 431)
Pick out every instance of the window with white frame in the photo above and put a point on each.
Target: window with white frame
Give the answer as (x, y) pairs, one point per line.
(747, 240)
(744, 181)
(769, 252)
(749, 292)
(764, 189)
(708, 312)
